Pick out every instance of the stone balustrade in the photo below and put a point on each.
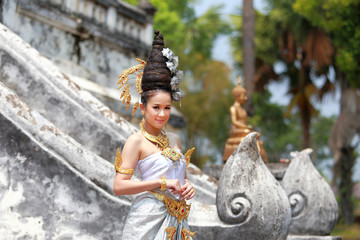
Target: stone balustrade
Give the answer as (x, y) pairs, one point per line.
(115, 16)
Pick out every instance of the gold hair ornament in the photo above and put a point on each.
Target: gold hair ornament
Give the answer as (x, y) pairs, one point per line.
(124, 78)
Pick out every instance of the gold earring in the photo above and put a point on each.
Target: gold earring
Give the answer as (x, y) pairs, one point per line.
(165, 125)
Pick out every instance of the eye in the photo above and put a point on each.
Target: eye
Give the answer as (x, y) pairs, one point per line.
(156, 107)
(168, 108)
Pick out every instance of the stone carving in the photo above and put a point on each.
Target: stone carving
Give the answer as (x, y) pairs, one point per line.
(248, 195)
(314, 209)
(239, 128)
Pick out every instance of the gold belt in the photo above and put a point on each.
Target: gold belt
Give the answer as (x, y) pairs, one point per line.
(178, 209)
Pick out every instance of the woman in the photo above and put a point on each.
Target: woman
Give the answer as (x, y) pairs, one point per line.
(160, 210)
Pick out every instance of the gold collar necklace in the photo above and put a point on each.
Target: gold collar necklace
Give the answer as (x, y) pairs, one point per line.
(162, 142)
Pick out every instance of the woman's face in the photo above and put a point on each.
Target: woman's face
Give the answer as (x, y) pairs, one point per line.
(157, 110)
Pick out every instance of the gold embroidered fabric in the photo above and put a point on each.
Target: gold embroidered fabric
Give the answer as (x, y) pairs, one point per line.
(171, 154)
(188, 155)
(170, 232)
(178, 209)
(117, 165)
(185, 233)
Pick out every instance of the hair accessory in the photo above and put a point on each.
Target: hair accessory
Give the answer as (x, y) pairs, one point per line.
(158, 72)
(124, 78)
(176, 75)
(163, 184)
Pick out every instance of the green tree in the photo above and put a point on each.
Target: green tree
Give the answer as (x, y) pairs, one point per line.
(341, 20)
(304, 52)
(278, 141)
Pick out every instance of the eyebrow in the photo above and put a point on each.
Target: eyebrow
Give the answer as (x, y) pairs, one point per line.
(158, 104)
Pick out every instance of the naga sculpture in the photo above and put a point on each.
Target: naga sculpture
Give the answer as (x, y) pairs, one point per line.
(250, 197)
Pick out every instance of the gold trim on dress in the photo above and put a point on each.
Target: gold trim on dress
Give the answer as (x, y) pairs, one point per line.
(170, 232)
(185, 233)
(178, 209)
(118, 163)
(172, 154)
(188, 155)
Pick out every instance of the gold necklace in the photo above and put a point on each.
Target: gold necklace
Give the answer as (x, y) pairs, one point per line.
(162, 142)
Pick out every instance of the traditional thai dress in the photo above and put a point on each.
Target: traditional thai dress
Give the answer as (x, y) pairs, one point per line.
(158, 214)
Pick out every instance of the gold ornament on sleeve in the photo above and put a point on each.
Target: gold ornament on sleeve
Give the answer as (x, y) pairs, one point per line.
(188, 155)
(118, 163)
(126, 95)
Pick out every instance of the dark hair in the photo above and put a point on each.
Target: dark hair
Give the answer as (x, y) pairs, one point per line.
(156, 74)
(145, 96)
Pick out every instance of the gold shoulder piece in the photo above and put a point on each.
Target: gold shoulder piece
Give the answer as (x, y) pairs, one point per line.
(118, 163)
(188, 155)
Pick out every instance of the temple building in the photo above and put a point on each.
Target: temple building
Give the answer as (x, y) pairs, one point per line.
(91, 40)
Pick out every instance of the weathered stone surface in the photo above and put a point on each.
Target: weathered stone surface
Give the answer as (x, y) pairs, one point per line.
(51, 187)
(81, 32)
(213, 170)
(294, 237)
(314, 209)
(250, 197)
(55, 96)
(277, 169)
(204, 184)
(92, 41)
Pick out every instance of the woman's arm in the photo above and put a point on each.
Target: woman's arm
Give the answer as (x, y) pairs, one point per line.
(125, 186)
(122, 183)
(187, 190)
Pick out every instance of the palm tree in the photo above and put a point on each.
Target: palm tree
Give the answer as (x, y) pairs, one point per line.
(249, 53)
(298, 46)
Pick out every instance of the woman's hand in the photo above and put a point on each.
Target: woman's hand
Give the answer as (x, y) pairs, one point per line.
(173, 185)
(187, 190)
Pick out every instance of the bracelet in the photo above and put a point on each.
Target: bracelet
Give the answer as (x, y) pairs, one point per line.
(163, 184)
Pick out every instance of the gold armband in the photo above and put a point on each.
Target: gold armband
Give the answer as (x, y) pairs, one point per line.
(163, 184)
(188, 155)
(117, 165)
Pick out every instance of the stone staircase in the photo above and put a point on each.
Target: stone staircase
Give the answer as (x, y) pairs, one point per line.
(57, 146)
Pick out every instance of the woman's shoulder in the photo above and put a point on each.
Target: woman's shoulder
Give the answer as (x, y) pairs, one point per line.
(134, 141)
(135, 138)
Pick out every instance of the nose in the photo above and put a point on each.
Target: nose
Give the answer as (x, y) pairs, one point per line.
(161, 113)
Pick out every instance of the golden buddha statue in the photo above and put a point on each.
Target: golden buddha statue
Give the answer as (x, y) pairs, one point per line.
(239, 128)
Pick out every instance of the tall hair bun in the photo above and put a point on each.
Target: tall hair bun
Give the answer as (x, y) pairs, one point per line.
(156, 74)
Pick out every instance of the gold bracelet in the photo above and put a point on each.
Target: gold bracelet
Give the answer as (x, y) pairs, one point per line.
(163, 184)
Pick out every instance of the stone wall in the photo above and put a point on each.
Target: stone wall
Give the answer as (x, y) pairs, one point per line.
(92, 39)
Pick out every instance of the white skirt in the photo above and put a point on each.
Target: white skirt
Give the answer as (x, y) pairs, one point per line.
(149, 219)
